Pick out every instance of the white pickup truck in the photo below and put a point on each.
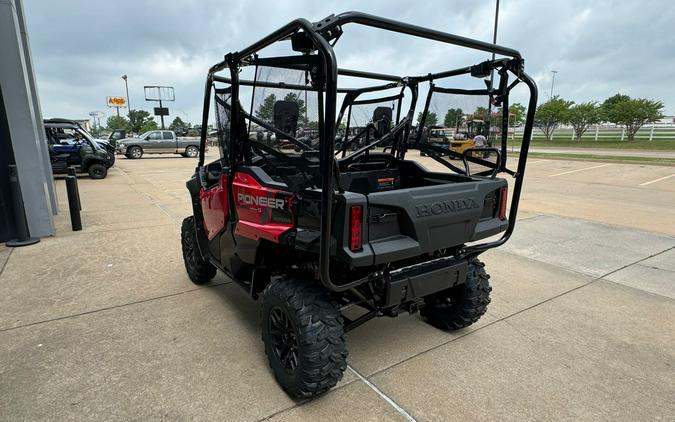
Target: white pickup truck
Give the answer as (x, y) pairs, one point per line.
(158, 142)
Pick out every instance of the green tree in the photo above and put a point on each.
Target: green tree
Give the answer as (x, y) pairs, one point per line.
(178, 123)
(140, 120)
(609, 104)
(631, 113)
(453, 117)
(551, 114)
(149, 125)
(431, 120)
(517, 113)
(117, 122)
(581, 116)
(266, 109)
(481, 113)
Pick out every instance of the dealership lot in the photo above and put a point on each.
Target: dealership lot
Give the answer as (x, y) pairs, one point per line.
(105, 324)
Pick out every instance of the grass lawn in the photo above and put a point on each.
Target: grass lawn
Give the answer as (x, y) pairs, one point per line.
(604, 143)
(595, 157)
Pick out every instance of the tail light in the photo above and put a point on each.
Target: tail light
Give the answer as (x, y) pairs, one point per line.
(356, 228)
(503, 197)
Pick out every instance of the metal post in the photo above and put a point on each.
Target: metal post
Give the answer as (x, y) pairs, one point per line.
(126, 86)
(596, 132)
(492, 72)
(73, 203)
(161, 115)
(552, 82)
(651, 133)
(73, 172)
(23, 235)
(623, 131)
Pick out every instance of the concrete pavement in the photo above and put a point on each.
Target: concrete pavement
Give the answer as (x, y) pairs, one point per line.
(104, 323)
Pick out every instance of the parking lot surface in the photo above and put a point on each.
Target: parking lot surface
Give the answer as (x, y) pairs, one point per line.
(104, 323)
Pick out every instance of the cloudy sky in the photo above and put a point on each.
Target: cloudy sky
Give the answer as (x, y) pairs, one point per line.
(82, 47)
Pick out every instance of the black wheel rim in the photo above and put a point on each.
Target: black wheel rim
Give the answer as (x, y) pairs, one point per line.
(97, 172)
(283, 338)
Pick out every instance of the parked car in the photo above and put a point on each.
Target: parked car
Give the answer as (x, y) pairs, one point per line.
(70, 145)
(158, 142)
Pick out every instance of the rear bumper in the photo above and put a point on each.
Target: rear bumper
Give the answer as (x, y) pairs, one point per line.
(420, 280)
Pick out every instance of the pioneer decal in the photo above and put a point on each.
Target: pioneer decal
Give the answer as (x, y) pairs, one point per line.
(260, 201)
(445, 207)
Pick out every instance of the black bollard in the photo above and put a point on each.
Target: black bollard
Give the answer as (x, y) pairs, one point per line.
(73, 201)
(23, 235)
(72, 172)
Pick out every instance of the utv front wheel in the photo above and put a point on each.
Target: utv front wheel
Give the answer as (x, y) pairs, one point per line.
(304, 337)
(199, 270)
(461, 305)
(97, 171)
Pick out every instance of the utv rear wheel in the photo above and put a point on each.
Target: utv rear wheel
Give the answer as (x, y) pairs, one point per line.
(304, 337)
(461, 305)
(97, 171)
(199, 270)
(191, 152)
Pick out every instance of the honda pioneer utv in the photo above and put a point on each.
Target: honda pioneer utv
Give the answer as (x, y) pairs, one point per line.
(332, 237)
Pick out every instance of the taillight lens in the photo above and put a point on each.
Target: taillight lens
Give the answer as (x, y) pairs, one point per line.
(503, 196)
(356, 228)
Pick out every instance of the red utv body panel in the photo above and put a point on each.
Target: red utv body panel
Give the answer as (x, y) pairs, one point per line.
(214, 207)
(263, 212)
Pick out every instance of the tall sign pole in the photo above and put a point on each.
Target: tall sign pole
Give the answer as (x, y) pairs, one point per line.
(492, 72)
(161, 116)
(552, 82)
(117, 102)
(159, 94)
(126, 86)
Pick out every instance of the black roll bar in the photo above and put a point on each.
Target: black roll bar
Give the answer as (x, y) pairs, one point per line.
(520, 172)
(320, 33)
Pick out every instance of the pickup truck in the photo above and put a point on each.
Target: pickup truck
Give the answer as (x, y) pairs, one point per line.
(158, 142)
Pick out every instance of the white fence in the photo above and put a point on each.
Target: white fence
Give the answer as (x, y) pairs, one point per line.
(646, 133)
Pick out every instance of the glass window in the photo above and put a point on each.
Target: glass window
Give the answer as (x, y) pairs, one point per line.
(155, 136)
(167, 135)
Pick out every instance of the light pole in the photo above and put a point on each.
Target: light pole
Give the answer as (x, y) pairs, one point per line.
(492, 72)
(552, 82)
(126, 86)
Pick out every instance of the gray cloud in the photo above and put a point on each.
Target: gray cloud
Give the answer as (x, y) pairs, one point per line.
(81, 48)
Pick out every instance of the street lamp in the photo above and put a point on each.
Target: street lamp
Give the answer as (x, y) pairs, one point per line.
(492, 72)
(552, 82)
(126, 85)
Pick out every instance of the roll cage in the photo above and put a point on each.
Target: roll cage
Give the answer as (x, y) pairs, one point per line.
(315, 42)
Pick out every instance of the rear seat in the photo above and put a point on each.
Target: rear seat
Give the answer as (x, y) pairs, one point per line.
(368, 181)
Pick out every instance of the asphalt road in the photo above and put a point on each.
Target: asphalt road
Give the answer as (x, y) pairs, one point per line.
(104, 324)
